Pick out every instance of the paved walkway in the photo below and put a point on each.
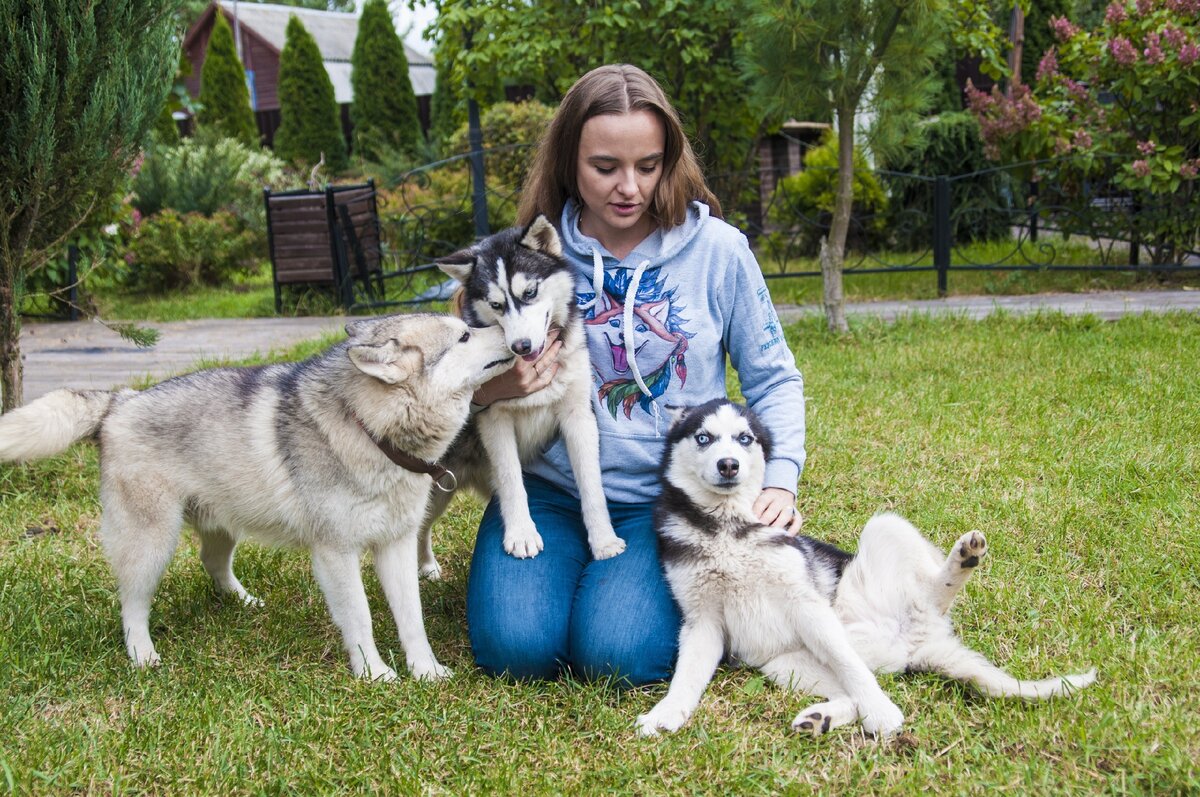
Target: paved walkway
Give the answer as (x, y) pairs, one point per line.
(86, 354)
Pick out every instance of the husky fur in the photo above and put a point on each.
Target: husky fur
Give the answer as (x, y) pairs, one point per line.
(282, 453)
(811, 617)
(518, 282)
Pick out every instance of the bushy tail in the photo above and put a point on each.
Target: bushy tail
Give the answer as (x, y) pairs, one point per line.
(48, 425)
(956, 661)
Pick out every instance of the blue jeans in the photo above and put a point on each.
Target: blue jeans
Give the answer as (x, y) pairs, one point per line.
(528, 618)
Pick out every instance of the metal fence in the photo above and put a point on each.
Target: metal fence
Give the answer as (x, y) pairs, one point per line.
(1053, 215)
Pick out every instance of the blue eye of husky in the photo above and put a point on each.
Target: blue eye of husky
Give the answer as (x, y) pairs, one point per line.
(745, 438)
(703, 439)
(497, 306)
(529, 295)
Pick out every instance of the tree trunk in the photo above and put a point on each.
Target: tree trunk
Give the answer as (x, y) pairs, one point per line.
(11, 387)
(833, 248)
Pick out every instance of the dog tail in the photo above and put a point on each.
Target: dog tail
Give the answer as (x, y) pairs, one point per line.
(48, 425)
(955, 660)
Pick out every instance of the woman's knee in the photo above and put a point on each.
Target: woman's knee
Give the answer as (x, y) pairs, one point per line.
(521, 653)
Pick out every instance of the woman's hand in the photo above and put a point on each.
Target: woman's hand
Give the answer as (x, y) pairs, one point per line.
(524, 377)
(777, 507)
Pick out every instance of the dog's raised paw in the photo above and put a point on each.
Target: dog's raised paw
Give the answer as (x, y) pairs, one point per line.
(812, 722)
(971, 548)
(608, 549)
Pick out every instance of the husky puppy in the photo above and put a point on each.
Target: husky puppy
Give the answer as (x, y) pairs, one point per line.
(518, 282)
(334, 453)
(811, 617)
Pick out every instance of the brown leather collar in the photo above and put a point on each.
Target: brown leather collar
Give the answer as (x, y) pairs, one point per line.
(443, 478)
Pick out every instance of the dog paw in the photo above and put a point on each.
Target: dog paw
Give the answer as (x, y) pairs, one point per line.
(970, 549)
(523, 545)
(814, 720)
(608, 548)
(429, 671)
(431, 572)
(147, 660)
(661, 719)
(251, 601)
(381, 673)
(882, 720)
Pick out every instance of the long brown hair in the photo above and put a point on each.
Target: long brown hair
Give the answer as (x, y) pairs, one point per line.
(613, 89)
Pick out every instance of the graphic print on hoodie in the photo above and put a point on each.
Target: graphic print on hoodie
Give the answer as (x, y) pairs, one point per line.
(653, 349)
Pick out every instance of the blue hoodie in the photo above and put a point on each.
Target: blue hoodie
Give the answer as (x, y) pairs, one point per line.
(699, 295)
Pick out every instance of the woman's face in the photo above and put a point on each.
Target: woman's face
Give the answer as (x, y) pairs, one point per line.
(617, 171)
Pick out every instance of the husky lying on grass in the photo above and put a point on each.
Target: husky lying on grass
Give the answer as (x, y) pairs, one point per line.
(518, 282)
(334, 453)
(811, 617)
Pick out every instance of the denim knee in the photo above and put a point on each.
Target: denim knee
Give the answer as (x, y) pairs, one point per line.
(524, 653)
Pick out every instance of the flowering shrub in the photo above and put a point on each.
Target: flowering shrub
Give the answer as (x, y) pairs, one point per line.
(1131, 88)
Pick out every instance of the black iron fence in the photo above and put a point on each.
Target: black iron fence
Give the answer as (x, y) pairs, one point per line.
(1054, 215)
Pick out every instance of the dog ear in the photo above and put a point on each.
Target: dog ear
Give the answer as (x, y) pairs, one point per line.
(360, 328)
(390, 362)
(458, 265)
(676, 412)
(540, 236)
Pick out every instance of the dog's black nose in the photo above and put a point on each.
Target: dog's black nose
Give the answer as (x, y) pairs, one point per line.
(728, 467)
(522, 346)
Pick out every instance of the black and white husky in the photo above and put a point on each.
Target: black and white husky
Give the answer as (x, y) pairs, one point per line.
(517, 280)
(810, 616)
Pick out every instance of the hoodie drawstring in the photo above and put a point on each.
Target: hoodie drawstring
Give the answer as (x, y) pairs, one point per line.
(631, 344)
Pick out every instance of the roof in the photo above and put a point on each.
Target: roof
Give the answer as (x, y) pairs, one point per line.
(334, 32)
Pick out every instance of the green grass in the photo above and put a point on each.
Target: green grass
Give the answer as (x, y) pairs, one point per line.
(1073, 444)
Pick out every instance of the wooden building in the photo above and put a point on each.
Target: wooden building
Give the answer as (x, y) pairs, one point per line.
(260, 31)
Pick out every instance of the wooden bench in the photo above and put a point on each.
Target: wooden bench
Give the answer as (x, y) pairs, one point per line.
(326, 238)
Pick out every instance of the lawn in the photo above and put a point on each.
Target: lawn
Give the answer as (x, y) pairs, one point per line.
(1073, 444)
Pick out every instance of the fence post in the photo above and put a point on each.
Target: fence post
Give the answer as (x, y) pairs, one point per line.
(479, 187)
(941, 231)
(1033, 212)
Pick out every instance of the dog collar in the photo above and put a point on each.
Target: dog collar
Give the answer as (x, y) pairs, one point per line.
(443, 478)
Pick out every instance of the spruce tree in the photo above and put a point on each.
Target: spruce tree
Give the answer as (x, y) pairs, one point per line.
(309, 118)
(224, 98)
(384, 111)
(80, 85)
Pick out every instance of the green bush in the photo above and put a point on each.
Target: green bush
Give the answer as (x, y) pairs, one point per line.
(430, 214)
(511, 126)
(224, 97)
(206, 174)
(172, 250)
(310, 122)
(804, 202)
(950, 145)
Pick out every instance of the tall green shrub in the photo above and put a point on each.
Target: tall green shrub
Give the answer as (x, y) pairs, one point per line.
(224, 98)
(384, 111)
(80, 85)
(309, 118)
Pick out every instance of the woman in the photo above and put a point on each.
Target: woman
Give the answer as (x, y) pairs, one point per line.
(667, 290)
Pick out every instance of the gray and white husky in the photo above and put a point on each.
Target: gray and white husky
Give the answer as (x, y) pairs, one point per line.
(811, 617)
(518, 282)
(302, 454)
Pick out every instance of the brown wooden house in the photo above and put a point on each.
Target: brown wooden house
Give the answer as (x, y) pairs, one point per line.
(260, 31)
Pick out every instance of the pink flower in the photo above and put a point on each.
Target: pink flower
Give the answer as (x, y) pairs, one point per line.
(1048, 66)
(1063, 29)
(1175, 37)
(1082, 139)
(136, 217)
(1144, 7)
(1146, 147)
(1123, 51)
(1115, 13)
(1189, 169)
(1189, 54)
(1076, 89)
(1141, 168)
(1153, 52)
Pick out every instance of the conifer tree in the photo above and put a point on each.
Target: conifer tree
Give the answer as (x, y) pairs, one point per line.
(224, 98)
(309, 118)
(80, 85)
(384, 111)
